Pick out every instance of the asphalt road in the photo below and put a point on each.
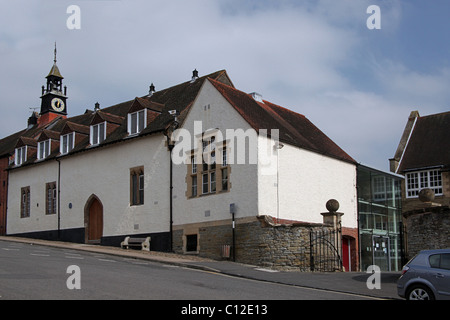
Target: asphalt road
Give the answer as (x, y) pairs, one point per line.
(39, 272)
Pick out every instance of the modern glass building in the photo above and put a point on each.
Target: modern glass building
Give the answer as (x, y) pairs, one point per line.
(380, 216)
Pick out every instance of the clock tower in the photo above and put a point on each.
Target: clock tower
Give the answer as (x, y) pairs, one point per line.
(53, 99)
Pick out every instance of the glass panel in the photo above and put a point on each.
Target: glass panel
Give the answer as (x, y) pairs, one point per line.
(133, 128)
(205, 183)
(381, 253)
(435, 260)
(224, 179)
(101, 133)
(445, 261)
(194, 186)
(141, 118)
(213, 181)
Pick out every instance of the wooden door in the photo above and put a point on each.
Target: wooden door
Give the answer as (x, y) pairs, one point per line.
(95, 222)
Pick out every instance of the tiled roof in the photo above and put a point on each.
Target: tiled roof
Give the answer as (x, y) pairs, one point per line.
(429, 144)
(294, 128)
(178, 98)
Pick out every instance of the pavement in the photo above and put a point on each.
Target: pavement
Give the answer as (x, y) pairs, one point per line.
(354, 283)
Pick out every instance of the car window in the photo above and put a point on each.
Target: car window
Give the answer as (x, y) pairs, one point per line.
(435, 260)
(445, 261)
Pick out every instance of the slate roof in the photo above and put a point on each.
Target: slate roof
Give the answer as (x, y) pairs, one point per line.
(178, 97)
(429, 144)
(294, 128)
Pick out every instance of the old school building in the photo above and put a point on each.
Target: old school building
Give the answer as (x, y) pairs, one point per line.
(172, 165)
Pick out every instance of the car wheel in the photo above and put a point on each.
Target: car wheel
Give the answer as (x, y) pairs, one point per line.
(419, 292)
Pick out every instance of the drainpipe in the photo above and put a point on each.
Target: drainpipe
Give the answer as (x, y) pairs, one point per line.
(5, 209)
(170, 145)
(59, 198)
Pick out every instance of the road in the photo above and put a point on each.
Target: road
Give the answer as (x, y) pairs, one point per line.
(40, 272)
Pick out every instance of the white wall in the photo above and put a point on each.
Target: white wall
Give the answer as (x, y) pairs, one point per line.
(307, 180)
(219, 114)
(36, 178)
(104, 172)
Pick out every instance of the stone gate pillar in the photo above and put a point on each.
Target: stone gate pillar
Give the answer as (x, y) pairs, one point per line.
(333, 218)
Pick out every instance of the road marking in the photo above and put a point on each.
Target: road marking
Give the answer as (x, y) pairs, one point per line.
(74, 257)
(10, 249)
(39, 255)
(107, 260)
(141, 263)
(267, 270)
(72, 254)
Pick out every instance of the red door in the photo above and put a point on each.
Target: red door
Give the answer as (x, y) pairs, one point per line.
(346, 256)
(95, 222)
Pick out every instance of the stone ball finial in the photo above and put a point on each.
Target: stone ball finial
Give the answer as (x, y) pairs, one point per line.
(332, 205)
(426, 195)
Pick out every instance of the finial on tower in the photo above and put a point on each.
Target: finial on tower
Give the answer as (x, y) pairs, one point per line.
(54, 60)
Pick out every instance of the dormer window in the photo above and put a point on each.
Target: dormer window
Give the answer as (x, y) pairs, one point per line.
(67, 143)
(98, 133)
(43, 149)
(21, 155)
(137, 121)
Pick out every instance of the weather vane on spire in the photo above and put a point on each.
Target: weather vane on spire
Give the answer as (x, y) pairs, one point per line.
(55, 53)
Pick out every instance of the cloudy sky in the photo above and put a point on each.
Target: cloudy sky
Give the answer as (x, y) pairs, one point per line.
(316, 57)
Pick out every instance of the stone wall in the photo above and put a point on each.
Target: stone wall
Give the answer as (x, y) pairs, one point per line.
(427, 228)
(259, 242)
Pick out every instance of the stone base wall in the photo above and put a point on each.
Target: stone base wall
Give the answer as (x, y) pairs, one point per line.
(427, 228)
(258, 242)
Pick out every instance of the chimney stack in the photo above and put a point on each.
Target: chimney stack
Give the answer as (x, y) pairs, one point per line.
(194, 75)
(151, 90)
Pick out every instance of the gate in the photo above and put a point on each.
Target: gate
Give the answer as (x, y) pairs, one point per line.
(324, 249)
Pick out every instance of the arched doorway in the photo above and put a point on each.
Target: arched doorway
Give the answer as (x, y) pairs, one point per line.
(93, 220)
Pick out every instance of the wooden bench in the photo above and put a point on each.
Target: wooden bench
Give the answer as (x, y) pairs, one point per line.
(144, 243)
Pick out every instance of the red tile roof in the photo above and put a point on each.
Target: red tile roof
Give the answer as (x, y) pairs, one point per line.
(294, 128)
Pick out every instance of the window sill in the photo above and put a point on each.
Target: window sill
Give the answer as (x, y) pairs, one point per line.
(136, 205)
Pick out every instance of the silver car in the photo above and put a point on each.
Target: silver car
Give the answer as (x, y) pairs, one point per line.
(426, 276)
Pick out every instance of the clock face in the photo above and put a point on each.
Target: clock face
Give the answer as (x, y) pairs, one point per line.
(57, 104)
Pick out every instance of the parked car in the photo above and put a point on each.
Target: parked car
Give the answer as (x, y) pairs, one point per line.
(426, 276)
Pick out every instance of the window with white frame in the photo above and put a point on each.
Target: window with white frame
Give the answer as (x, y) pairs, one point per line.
(43, 149)
(416, 181)
(136, 122)
(20, 156)
(98, 133)
(67, 143)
